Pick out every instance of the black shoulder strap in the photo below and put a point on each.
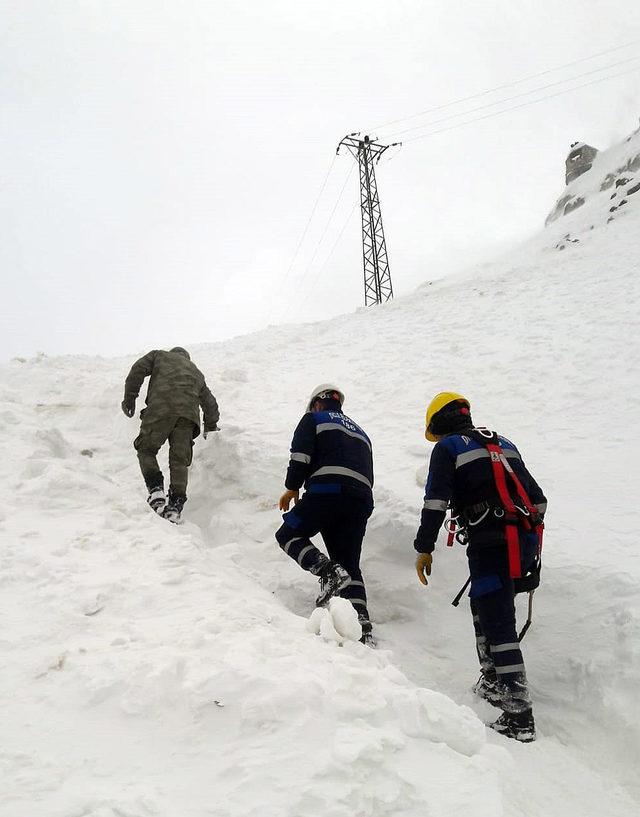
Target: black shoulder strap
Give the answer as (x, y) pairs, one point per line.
(482, 436)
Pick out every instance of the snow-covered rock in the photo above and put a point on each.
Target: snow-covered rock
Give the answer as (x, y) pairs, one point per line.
(614, 177)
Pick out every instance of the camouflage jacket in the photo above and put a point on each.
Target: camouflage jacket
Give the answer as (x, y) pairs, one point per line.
(177, 388)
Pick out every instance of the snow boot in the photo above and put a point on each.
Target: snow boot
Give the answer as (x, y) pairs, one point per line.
(157, 499)
(487, 688)
(333, 578)
(173, 508)
(520, 727)
(367, 632)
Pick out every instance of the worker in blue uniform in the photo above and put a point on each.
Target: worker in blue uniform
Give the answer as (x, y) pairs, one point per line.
(483, 479)
(331, 457)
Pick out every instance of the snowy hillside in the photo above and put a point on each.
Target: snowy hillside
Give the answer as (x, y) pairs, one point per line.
(153, 670)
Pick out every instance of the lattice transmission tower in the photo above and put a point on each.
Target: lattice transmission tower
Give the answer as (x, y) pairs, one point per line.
(377, 277)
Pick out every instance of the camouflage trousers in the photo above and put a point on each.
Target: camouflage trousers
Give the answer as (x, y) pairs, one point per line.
(179, 432)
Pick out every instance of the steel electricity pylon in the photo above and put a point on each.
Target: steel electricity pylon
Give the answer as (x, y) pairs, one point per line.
(377, 278)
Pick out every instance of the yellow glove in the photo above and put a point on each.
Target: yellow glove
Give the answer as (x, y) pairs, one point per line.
(423, 566)
(285, 499)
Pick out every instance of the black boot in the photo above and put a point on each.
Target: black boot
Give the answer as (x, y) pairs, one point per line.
(519, 726)
(333, 578)
(174, 506)
(487, 688)
(367, 632)
(156, 498)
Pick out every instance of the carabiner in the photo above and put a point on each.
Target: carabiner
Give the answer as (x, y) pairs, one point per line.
(451, 520)
(462, 537)
(479, 519)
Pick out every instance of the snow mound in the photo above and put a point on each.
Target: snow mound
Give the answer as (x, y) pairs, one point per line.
(337, 622)
(155, 671)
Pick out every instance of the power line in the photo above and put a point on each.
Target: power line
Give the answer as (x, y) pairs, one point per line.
(325, 230)
(453, 127)
(329, 256)
(511, 98)
(311, 215)
(521, 105)
(337, 241)
(508, 84)
(326, 227)
(304, 234)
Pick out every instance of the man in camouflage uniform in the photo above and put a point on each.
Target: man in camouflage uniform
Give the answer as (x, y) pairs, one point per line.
(177, 389)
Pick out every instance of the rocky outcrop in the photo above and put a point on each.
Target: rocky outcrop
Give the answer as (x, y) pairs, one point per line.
(582, 186)
(579, 160)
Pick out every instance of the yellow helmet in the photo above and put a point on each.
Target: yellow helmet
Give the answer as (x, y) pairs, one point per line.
(439, 402)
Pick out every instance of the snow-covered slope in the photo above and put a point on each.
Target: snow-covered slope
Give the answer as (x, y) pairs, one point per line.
(155, 670)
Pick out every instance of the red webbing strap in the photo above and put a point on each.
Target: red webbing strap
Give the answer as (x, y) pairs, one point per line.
(524, 496)
(511, 514)
(452, 533)
(513, 549)
(519, 488)
(540, 531)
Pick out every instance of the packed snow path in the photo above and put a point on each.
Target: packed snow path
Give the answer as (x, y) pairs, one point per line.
(155, 670)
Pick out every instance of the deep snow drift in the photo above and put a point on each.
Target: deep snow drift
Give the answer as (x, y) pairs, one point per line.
(154, 670)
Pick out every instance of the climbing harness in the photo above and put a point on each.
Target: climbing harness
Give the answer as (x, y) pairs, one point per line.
(513, 514)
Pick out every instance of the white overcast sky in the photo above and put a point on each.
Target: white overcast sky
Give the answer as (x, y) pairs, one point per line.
(160, 159)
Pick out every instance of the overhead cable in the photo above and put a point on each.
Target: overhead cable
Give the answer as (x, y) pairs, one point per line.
(395, 134)
(329, 220)
(329, 256)
(326, 228)
(508, 84)
(516, 96)
(311, 215)
(521, 105)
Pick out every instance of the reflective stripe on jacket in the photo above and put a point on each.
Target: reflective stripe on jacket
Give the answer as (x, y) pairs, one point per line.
(330, 454)
(460, 472)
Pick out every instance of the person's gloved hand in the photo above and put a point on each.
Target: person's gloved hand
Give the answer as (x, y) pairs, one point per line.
(423, 566)
(207, 431)
(128, 406)
(285, 499)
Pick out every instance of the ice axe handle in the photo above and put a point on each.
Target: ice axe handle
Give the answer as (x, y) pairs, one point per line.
(527, 623)
(456, 601)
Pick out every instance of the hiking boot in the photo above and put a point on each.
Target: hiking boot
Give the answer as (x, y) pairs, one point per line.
(333, 578)
(173, 508)
(515, 696)
(487, 688)
(519, 727)
(156, 499)
(367, 632)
